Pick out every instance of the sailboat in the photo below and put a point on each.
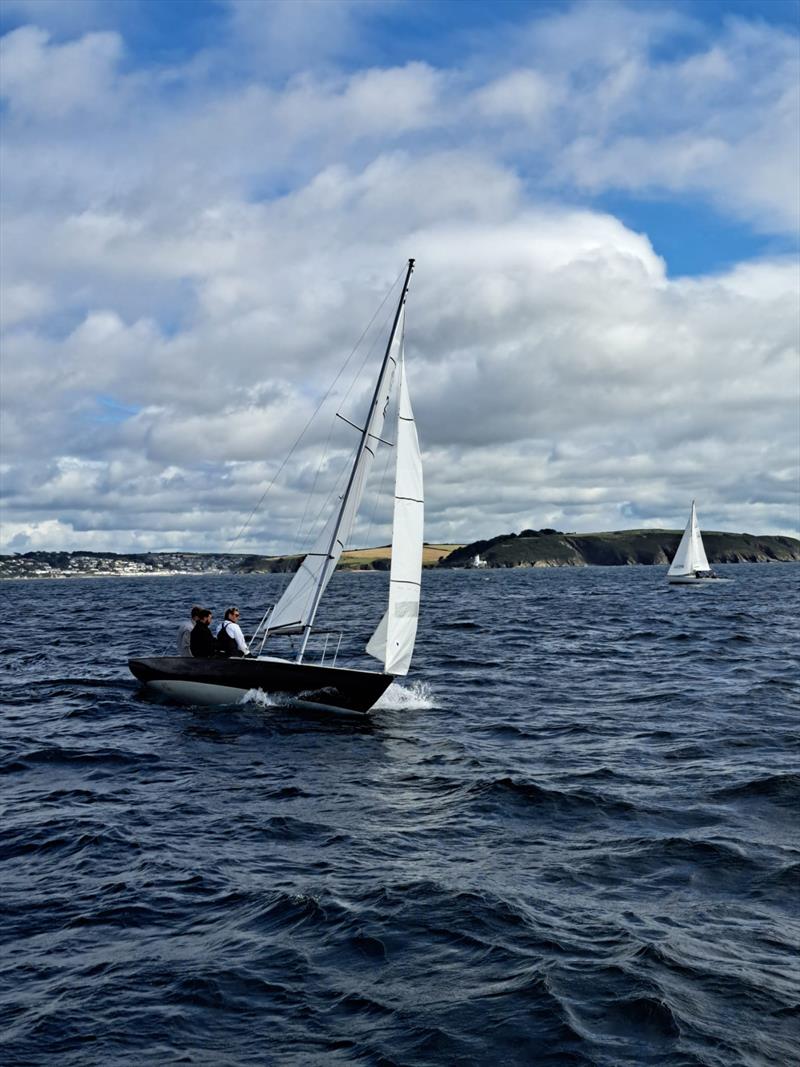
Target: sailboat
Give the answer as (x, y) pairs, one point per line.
(690, 564)
(320, 686)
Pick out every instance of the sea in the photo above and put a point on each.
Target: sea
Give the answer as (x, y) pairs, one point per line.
(568, 837)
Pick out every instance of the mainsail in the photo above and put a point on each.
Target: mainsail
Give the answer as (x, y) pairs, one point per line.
(691, 554)
(393, 640)
(295, 610)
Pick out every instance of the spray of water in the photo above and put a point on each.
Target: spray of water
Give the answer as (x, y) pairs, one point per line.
(260, 699)
(414, 697)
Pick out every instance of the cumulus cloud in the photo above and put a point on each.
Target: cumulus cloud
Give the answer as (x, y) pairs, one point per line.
(47, 81)
(283, 35)
(722, 121)
(188, 264)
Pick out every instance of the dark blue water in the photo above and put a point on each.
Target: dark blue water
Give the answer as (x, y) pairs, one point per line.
(570, 837)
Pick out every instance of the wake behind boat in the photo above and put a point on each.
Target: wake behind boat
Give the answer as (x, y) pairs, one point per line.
(320, 686)
(690, 565)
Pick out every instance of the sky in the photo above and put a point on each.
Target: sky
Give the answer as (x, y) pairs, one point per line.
(203, 205)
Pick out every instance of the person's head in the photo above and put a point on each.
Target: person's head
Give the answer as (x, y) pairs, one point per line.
(204, 616)
(232, 614)
(197, 611)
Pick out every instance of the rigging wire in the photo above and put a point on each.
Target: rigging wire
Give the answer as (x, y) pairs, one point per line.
(364, 361)
(305, 544)
(381, 484)
(337, 490)
(305, 532)
(340, 372)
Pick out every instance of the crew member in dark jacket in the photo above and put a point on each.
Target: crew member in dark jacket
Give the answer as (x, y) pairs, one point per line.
(202, 641)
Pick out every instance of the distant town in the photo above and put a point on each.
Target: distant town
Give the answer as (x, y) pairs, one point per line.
(84, 564)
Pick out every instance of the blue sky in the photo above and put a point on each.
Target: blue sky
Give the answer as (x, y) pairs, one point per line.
(203, 202)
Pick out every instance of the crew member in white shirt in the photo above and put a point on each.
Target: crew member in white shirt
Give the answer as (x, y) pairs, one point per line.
(234, 631)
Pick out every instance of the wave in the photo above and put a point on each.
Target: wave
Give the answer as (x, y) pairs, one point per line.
(74, 757)
(287, 828)
(783, 789)
(60, 836)
(718, 858)
(787, 877)
(563, 801)
(226, 989)
(646, 1017)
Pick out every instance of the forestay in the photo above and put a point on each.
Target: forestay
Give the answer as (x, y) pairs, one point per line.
(393, 640)
(295, 609)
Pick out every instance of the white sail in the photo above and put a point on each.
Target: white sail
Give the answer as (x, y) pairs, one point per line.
(296, 607)
(393, 640)
(691, 554)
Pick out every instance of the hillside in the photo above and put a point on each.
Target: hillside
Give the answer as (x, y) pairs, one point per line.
(551, 548)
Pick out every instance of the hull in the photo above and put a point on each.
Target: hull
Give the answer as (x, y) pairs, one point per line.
(226, 681)
(690, 579)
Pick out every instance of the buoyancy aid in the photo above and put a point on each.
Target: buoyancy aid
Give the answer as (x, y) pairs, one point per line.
(226, 645)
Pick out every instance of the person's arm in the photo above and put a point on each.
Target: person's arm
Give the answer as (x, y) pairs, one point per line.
(236, 633)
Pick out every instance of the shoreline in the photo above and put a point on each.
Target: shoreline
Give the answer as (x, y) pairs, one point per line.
(367, 570)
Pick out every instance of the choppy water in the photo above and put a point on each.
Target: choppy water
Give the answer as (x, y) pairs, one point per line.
(570, 837)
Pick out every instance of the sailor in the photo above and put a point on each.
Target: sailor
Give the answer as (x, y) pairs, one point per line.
(184, 647)
(230, 639)
(202, 641)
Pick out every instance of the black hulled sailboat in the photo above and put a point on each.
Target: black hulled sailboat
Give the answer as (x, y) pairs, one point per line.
(317, 686)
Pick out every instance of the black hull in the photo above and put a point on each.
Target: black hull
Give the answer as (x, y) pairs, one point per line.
(225, 681)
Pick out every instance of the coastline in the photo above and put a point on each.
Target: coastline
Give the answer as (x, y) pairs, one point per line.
(538, 565)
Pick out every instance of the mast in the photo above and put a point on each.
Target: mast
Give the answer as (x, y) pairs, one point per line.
(322, 579)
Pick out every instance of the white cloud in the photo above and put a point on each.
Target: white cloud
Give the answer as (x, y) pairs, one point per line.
(282, 35)
(22, 301)
(722, 122)
(522, 94)
(47, 81)
(556, 372)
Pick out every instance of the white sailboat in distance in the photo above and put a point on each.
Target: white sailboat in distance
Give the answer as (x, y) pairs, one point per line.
(690, 565)
(326, 686)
